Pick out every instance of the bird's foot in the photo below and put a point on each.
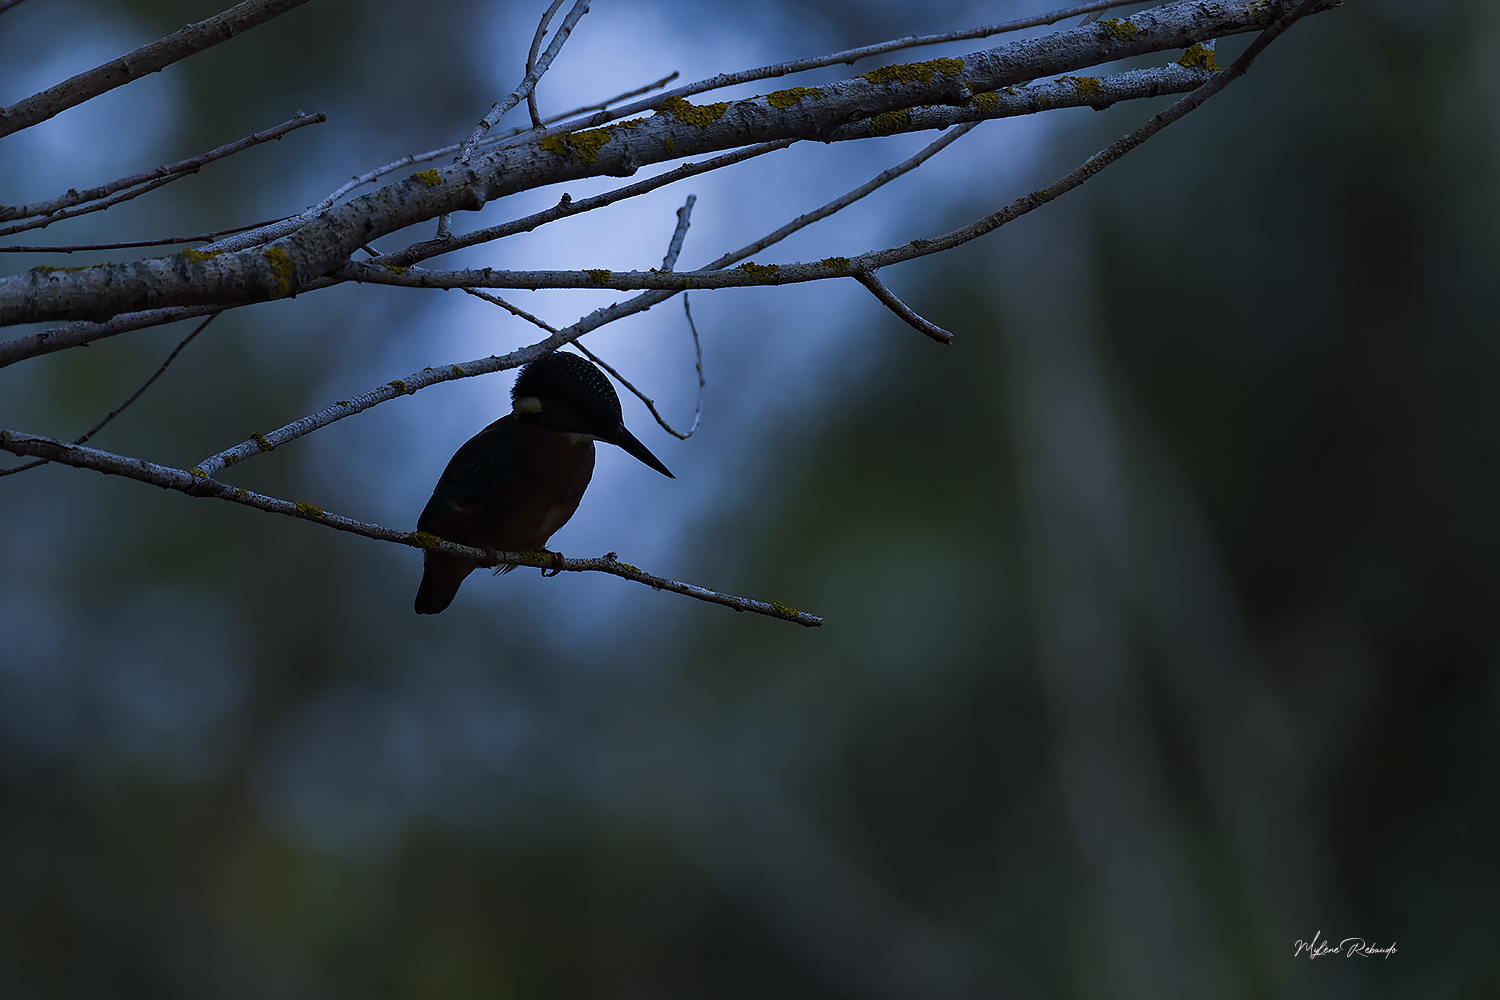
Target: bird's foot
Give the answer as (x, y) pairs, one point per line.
(557, 560)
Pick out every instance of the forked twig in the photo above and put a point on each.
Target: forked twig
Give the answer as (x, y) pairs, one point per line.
(121, 408)
(534, 73)
(536, 45)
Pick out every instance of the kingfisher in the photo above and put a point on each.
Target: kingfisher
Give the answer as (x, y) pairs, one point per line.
(512, 485)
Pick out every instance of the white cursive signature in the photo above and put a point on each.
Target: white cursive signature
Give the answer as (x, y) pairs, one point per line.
(1349, 947)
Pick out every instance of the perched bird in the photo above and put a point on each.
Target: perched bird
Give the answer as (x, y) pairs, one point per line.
(520, 479)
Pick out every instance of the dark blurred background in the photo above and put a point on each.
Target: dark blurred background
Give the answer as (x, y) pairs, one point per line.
(1161, 607)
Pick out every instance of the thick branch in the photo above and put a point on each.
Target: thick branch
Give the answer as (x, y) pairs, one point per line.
(324, 245)
(183, 481)
(143, 61)
(846, 57)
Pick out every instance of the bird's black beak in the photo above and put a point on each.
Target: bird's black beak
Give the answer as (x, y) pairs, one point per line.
(624, 439)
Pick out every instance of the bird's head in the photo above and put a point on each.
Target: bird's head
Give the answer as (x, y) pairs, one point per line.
(570, 395)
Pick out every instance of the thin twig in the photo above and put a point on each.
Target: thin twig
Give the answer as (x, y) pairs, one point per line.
(81, 333)
(908, 315)
(568, 207)
(651, 403)
(536, 45)
(121, 408)
(189, 165)
(141, 62)
(679, 234)
(6, 5)
(167, 241)
(843, 201)
(184, 481)
(61, 207)
(670, 261)
(514, 310)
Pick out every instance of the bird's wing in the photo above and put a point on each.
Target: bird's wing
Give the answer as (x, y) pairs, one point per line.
(485, 463)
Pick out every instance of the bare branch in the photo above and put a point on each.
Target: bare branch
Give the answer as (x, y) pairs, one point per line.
(324, 245)
(128, 188)
(122, 407)
(190, 165)
(847, 57)
(513, 309)
(143, 61)
(165, 241)
(82, 332)
(534, 74)
(908, 315)
(197, 485)
(684, 219)
(536, 45)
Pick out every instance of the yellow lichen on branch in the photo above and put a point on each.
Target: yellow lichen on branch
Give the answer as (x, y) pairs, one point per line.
(693, 114)
(917, 72)
(783, 99)
(1199, 56)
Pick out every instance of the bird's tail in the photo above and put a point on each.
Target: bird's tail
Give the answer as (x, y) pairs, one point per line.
(442, 575)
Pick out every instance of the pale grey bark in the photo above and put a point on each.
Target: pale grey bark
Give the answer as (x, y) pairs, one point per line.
(294, 262)
(143, 61)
